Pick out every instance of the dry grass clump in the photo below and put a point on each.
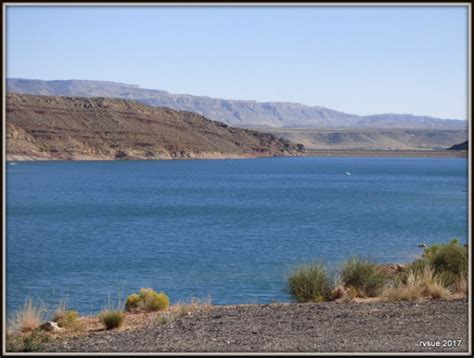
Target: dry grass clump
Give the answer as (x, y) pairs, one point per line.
(461, 287)
(183, 309)
(365, 278)
(440, 273)
(416, 286)
(29, 317)
(60, 311)
(112, 318)
(310, 283)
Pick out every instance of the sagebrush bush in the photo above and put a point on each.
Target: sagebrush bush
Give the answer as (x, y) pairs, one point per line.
(112, 318)
(134, 303)
(310, 283)
(154, 301)
(363, 275)
(148, 299)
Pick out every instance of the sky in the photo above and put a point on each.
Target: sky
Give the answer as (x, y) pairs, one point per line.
(361, 60)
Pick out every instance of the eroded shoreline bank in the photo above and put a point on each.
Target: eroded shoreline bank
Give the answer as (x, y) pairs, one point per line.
(223, 156)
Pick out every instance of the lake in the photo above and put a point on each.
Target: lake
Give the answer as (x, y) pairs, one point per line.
(228, 229)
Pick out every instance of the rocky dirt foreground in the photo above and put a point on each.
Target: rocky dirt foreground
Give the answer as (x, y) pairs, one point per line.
(440, 326)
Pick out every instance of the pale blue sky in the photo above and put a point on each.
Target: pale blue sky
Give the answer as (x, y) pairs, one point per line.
(361, 60)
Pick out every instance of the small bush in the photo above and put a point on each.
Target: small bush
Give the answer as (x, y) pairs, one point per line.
(148, 299)
(363, 275)
(112, 318)
(66, 319)
(13, 343)
(32, 342)
(154, 301)
(134, 303)
(310, 283)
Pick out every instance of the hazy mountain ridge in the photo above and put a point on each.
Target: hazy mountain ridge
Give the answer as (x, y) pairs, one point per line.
(55, 127)
(370, 139)
(234, 112)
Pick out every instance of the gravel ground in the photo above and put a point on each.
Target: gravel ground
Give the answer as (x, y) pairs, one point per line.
(325, 327)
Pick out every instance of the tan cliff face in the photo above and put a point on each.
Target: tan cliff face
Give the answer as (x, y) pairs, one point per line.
(47, 127)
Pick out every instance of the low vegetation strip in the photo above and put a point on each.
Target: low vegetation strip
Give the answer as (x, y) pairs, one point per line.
(441, 272)
(402, 296)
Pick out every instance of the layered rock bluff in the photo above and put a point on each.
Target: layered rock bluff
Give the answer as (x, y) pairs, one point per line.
(48, 127)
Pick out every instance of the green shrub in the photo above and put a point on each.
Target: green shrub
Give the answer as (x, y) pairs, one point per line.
(449, 262)
(13, 343)
(364, 275)
(310, 283)
(451, 258)
(32, 342)
(134, 303)
(154, 301)
(112, 318)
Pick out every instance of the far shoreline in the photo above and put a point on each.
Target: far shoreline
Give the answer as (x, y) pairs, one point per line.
(10, 158)
(387, 153)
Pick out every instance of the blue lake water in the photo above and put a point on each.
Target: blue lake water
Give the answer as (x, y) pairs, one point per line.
(228, 229)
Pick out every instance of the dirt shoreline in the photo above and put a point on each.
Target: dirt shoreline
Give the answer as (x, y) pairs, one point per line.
(290, 327)
(224, 156)
(387, 153)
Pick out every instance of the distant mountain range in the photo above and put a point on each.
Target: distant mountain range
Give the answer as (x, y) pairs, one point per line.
(234, 112)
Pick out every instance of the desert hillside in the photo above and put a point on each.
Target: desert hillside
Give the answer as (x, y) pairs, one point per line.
(460, 146)
(48, 127)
